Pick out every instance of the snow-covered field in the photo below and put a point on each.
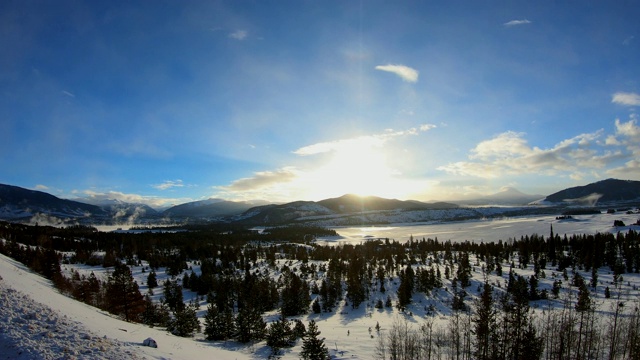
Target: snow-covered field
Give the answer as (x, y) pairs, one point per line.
(37, 322)
(487, 230)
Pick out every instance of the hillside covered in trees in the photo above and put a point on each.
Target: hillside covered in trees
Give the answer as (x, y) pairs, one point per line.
(533, 297)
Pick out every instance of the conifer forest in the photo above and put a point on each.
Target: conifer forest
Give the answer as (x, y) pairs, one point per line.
(534, 297)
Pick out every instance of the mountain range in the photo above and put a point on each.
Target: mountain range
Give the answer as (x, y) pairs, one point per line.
(23, 205)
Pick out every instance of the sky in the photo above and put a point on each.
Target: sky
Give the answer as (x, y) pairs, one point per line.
(165, 102)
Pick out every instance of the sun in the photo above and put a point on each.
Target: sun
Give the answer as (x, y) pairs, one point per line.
(358, 167)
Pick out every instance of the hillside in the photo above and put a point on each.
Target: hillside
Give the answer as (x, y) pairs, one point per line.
(207, 209)
(605, 191)
(17, 203)
(508, 196)
(442, 293)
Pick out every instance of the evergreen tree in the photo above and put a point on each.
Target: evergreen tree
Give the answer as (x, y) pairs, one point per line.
(152, 282)
(312, 347)
(356, 291)
(594, 277)
(315, 306)
(173, 295)
(464, 269)
(218, 325)
(279, 334)
(298, 330)
(249, 325)
(484, 323)
(185, 321)
(154, 314)
(295, 295)
(405, 290)
(123, 296)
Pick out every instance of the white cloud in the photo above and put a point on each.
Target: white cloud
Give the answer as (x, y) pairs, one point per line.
(239, 34)
(406, 73)
(156, 202)
(509, 153)
(627, 99)
(261, 179)
(630, 171)
(42, 187)
(68, 94)
(374, 140)
(517, 22)
(169, 184)
(628, 129)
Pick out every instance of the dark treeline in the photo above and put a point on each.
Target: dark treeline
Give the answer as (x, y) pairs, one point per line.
(245, 273)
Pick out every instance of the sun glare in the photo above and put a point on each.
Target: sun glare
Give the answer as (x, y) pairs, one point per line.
(360, 168)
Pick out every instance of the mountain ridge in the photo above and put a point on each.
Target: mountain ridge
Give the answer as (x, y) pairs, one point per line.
(19, 204)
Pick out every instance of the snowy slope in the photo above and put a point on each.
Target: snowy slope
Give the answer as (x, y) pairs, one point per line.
(119, 339)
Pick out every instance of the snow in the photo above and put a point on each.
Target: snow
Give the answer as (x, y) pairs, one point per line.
(486, 230)
(31, 307)
(37, 322)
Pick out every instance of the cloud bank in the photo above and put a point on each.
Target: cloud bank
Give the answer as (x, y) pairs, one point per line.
(509, 153)
(404, 72)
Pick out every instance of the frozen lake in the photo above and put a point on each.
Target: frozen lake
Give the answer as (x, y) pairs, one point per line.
(486, 230)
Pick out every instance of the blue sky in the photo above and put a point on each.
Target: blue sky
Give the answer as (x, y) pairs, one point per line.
(168, 102)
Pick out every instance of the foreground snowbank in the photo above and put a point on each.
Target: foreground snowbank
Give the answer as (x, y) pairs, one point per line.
(37, 322)
(30, 330)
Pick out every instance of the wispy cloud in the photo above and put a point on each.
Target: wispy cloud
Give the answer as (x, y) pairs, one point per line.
(517, 22)
(361, 141)
(68, 94)
(625, 98)
(168, 184)
(262, 179)
(509, 153)
(42, 187)
(239, 34)
(153, 201)
(404, 72)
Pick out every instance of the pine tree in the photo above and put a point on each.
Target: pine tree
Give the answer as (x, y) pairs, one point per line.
(152, 282)
(185, 321)
(249, 325)
(464, 269)
(279, 334)
(218, 325)
(154, 314)
(295, 295)
(123, 295)
(212, 323)
(298, 330)
(312, 347)
(173, 295)
(405, 290)
(485, 323)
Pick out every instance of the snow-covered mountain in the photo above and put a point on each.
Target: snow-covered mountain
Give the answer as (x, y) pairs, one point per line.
(508, 196)
(21, 204)
(601, 192)
(205, 209)
(18, 204)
